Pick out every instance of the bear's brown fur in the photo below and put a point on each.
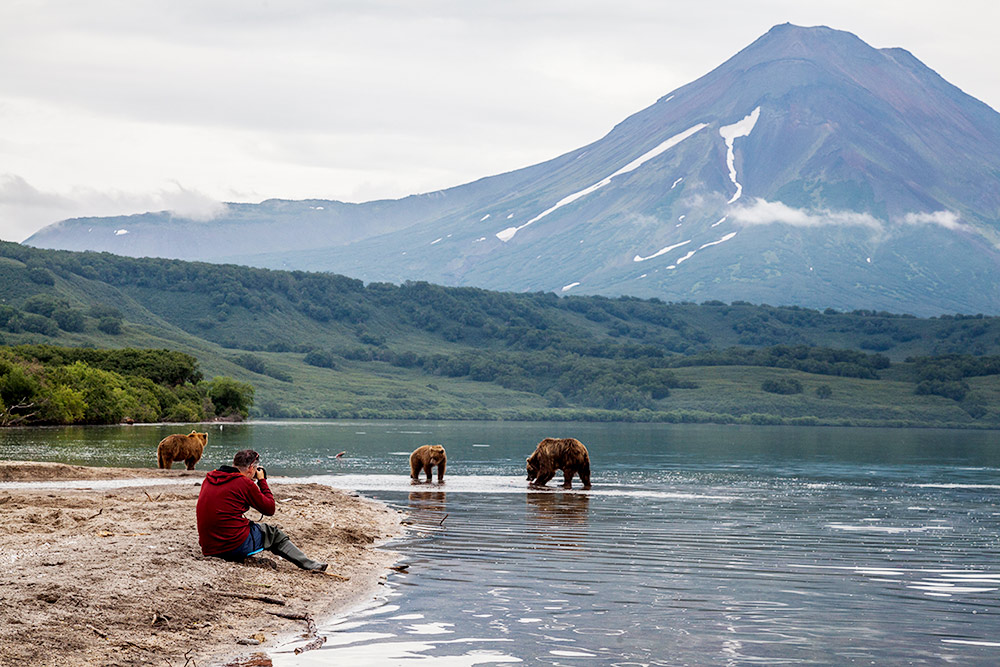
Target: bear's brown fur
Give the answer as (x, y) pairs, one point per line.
(426, 457)
(566, 454)
(178, 447)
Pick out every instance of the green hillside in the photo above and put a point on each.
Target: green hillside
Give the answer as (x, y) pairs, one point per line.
(321, 345)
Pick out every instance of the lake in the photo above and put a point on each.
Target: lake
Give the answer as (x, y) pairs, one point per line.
(698, 544)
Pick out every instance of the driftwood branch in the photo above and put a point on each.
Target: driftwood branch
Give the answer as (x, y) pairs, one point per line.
(316, 643)
(313, 631)
(293, 615)
(99, 633)
(300, 616)
(250, 596)
(141, 648)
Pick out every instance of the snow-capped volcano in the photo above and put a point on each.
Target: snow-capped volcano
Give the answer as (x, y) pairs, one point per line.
(808, 169)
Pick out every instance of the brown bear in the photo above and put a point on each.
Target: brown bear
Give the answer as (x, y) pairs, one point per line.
(566, 454)
(426, 457)
(177, 447)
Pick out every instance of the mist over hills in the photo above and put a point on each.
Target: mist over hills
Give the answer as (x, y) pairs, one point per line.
(808, 169)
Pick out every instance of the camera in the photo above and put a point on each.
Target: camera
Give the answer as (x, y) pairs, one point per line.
(261, 472)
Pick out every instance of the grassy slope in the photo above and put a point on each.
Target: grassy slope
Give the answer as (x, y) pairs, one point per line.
(194, 322)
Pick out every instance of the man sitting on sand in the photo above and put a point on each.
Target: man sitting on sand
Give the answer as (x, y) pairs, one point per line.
(224, 532)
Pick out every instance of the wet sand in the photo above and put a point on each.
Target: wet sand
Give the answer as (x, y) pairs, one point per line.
(114, 576)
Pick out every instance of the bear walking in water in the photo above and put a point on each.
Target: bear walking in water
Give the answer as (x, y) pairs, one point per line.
(566, 454)
(177, 447)
(425, 458)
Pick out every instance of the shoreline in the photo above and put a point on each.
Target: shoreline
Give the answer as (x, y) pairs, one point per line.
(113, 575)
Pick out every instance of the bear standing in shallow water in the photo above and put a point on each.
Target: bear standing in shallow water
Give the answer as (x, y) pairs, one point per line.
(425, 458)
(177, 447)
(566, 454)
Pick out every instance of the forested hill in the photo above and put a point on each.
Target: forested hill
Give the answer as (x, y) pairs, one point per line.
(323, 345)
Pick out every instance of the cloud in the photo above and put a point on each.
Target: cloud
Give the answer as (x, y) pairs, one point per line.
(190, 203)
(763, 212)
(25, 208)
(946, 219)
(14, 190)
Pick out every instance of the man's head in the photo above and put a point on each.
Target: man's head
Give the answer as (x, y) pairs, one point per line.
(246, 460)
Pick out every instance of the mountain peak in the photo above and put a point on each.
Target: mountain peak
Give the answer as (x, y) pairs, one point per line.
(818, 44)
(789, 33)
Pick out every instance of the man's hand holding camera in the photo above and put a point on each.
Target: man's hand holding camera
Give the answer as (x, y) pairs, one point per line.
(261, 473)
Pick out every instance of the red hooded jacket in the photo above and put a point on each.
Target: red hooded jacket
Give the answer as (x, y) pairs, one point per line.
(225, 495)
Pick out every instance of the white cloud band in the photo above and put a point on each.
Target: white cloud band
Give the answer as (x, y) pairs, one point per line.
(763, 212)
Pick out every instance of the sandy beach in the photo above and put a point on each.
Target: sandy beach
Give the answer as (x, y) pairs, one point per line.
(113, 575)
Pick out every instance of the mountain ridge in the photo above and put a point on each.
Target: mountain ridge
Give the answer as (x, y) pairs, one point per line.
(864, 181)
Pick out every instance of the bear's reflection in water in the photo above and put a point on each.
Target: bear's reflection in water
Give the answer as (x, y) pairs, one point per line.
(427, 508)
(558, 519)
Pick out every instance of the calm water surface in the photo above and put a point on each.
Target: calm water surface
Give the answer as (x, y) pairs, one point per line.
(700, 545)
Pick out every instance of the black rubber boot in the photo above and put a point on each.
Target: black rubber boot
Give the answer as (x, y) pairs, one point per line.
(277, 542)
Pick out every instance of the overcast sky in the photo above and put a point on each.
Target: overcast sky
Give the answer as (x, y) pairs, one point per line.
(111, 107)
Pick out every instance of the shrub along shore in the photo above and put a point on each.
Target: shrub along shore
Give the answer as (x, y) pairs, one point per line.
(43, 384)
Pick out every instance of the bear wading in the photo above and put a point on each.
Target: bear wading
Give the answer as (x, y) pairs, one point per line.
(178, 447)
(566, 454)
(425, 458)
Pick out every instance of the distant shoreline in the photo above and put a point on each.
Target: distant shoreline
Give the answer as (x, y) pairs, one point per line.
(585, 416)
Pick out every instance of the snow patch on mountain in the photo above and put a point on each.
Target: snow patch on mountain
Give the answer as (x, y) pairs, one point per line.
(740, 128)
(507, 234)
(722, 240)
(691, 253)
(119, 232)
(682, 259)
(567, 288)
(687, 257)
(662, 251)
